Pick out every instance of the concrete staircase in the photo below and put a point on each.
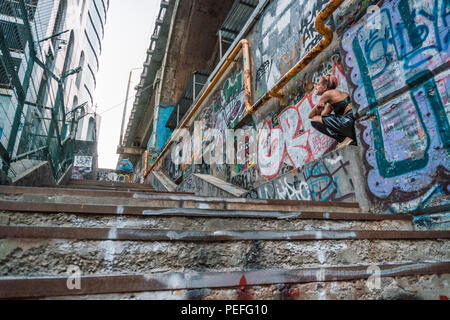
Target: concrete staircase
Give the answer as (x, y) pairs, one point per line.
(108, 185)
(113, 240)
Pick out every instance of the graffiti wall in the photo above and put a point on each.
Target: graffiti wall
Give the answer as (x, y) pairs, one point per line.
(391, 57)
(284, 34)
(397, 62)
(283, 25)
(331, 178)
(114, 175)
(291, 132)
(226, 105)
(85, 160)
(207, 185)
(163, 133)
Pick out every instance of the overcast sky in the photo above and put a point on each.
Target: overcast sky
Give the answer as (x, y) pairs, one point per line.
(129, 26)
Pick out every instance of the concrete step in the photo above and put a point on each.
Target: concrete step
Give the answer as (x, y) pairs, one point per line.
(167, 200)
(109, 185)
(203, 220)
(425, 280)
(49, 251)
(86, 215)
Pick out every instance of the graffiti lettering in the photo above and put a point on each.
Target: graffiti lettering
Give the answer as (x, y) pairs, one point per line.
(294, 140)
(407, 141)
(321, 180)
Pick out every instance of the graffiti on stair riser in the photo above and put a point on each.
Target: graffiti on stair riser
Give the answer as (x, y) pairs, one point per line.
(324, 180)
(400, 56)
(439, 221)
(113, 175)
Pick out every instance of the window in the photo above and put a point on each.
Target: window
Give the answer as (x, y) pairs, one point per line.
(82, 10)
(69, 53)
(79, 74)
(91, 130)
(59, 21)
(80, 123)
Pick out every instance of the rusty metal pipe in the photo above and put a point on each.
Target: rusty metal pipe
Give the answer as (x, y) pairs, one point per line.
(324, 30)
(319, 25)
(243, 44)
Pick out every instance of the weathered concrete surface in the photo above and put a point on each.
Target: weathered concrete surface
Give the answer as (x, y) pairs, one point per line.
(38, 173)
(203, 184)
(439, 221)
(193, 223)
(52, 257)
(161, 182)
(420, 287)
(334, 177)
(65, 178)
(177, 202)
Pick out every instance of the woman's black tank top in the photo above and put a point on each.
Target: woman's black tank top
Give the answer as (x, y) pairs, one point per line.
(339, 107)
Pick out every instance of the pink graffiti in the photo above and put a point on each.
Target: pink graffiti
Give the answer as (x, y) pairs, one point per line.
(294, 141)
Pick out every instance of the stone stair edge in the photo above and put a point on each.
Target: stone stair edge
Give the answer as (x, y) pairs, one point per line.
(47, 286)
(132, 234)
(101, 209)
(174, 196)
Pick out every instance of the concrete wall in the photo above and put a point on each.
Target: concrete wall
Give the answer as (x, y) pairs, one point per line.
(207, 185)
(397, 77)
(37, 175)
(400, 84)
(333, 177)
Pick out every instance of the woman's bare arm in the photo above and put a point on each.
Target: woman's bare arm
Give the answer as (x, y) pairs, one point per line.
(316, 110)
(320, 107)
(327, 110)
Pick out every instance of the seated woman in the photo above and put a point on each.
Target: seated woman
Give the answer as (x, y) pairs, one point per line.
(339, 125)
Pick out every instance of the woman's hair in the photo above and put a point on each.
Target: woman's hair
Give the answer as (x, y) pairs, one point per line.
(330, 81)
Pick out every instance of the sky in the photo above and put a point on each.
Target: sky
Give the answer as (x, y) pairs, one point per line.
(128, 29)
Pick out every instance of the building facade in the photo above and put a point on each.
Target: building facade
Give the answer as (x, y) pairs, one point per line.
(48, 75)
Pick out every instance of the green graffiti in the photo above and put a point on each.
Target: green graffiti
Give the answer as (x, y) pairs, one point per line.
(232, 87)
(387, 169)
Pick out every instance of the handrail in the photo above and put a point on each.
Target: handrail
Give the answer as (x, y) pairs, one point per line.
(243, 44)
(319, 25)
